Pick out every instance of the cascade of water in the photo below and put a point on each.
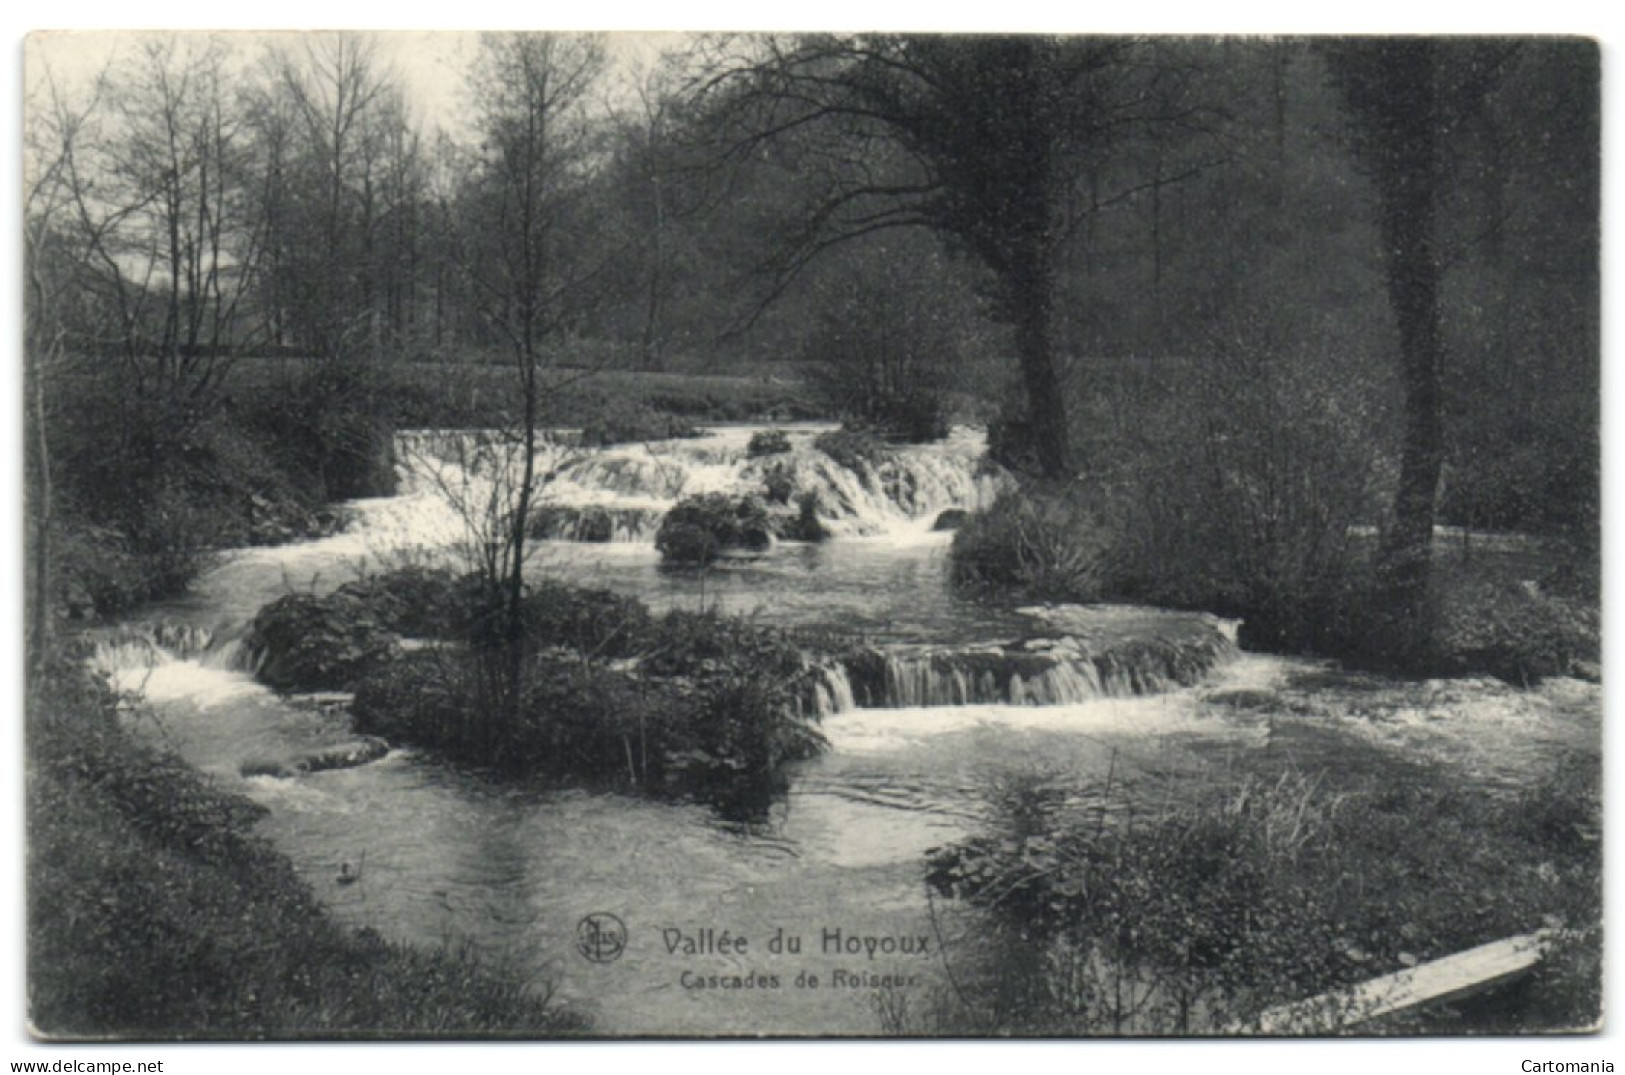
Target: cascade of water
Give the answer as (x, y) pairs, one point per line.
(592, 523)
(122, 660)
(1038, 672)
(134, 649)
(129, 655)
(234, 655)
(833, 694)
(621, 492)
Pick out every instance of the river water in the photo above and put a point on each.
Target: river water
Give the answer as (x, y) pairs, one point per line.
(790, 925)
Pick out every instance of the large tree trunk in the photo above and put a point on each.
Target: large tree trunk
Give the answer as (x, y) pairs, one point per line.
(1030, 299)
(1407, 546)
(1405, 176)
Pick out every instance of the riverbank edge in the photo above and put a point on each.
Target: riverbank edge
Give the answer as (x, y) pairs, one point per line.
(156, 913)
(104, 874)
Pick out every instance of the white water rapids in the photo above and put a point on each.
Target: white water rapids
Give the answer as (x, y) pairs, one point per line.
(958, 696)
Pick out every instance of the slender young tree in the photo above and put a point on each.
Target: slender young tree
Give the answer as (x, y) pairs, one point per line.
(527, 253)
(180, 158)
(340, 94)
(55, 258)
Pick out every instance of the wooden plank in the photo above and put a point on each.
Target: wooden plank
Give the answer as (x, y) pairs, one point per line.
(1450, 978)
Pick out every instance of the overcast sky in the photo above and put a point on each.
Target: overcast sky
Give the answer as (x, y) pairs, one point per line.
(431, 64)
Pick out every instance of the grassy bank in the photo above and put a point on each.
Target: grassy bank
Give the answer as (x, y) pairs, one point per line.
(1277, 876)
(446, 395)
(155, 912)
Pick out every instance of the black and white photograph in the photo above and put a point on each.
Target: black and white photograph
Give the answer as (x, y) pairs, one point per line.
(543, 535)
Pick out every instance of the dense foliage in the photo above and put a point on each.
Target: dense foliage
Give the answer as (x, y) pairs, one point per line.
(686, 702)
(1520, 616)
(1048, 547)
(767, 442)
(698, 528)
(143, 494)
(855, 447)
(310, 642)
(616, 421)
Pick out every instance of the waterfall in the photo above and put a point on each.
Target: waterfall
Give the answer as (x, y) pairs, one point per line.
(833, 692)
(129, 654)
(620, 493)
(1151, 654)
(593, 523)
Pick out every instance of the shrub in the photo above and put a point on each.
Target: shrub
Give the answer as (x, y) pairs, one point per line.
(1234, 484)
(96, 572)
(329, 429)
(620, 421)
(853, 447)
(767, 442)
(306, 642)
(590, 722)
(714, 705)
(750, 691)
(885, 349)
(146, 488)
(595, 623)
(1012, 443)
(417, 601)
(570, 720)
(697, 528)
(427, 602)
(685, 543)
(806, 525)
(1046, 547)
(685, 643)
(422, 697)
(1510, 629)
(1270, 887)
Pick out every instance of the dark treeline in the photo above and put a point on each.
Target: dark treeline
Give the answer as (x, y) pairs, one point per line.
(1366, 266)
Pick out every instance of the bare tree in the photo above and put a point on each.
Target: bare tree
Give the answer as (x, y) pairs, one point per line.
(337, 88)
(528, 251)
(178, 163)
(645, 136)
(982, 139)
(54, 263)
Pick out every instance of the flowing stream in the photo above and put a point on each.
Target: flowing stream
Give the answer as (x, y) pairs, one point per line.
(796, 924)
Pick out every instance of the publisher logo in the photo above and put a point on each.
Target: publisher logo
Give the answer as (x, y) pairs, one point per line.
(601, 937)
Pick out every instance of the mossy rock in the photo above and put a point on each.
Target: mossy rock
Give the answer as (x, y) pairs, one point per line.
(699, 528)
(303, 642)
(768, 442)
(347, 755)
